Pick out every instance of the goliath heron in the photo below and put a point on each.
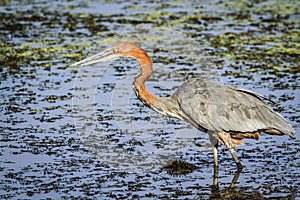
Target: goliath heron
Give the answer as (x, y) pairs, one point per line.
(227, 114)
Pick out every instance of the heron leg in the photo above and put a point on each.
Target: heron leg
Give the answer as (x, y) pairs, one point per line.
(234, 156)
(216, 175)
(215, 153)
(227, 141)
(214, 144)
(235, 178)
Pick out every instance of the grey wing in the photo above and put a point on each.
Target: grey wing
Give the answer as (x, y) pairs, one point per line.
(217, 107)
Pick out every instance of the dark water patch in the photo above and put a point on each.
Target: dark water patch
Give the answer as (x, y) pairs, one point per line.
(177, 168)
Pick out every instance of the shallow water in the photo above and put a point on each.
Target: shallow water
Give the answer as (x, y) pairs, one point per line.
(81, 132)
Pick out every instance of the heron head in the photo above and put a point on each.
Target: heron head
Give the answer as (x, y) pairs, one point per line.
(119, 50)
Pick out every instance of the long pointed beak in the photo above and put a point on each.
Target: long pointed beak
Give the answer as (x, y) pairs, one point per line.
(104, 56)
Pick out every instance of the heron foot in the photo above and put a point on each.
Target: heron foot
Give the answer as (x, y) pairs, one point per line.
(235, 178)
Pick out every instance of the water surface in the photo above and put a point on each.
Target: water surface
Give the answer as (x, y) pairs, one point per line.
(81, 132)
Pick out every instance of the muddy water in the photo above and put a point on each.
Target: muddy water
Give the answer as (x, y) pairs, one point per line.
(81, 132)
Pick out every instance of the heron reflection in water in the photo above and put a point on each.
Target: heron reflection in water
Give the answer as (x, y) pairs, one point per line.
(227, 114)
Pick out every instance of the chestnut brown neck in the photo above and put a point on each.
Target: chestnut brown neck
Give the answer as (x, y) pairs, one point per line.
(139, 82)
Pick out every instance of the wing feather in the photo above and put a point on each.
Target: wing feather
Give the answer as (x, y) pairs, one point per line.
(217, 107)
